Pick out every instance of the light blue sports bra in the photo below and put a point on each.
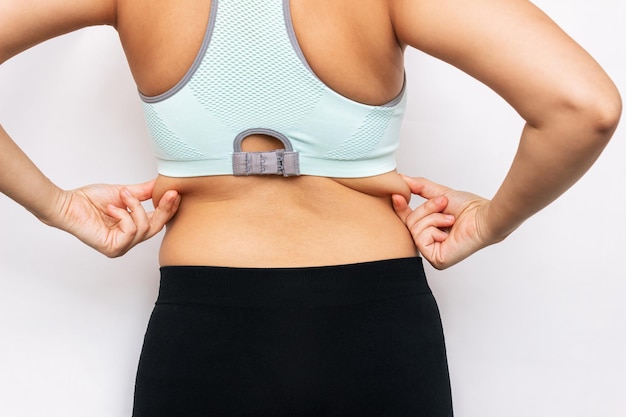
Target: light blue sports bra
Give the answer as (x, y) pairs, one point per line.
(251, 77)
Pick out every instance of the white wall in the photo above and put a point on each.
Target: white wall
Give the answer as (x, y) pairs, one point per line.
(535, 326)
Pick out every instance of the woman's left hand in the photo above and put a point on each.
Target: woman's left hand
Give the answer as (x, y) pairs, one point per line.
(449, 226)
(111, 218)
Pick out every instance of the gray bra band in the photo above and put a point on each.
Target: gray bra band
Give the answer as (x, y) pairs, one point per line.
(283, 162)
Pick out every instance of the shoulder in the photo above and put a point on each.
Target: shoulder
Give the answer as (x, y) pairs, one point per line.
(511, 46)
(25, 24)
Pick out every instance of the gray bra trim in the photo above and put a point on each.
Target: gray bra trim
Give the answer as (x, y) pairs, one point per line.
(207, 40)
(296, 47)
(196, 62)
(283, 162)
(262, 131)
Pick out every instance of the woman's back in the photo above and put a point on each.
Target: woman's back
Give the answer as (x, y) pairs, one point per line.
(355, 47)
(360, 339)
(350, 45)
(277, 221)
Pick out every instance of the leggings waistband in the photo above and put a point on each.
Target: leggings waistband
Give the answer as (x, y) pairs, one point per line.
(298, 287)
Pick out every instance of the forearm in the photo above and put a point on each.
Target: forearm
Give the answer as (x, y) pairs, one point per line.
(549, 160)
(23, 182)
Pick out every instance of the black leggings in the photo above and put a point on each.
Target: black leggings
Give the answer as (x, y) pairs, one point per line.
(349, 340)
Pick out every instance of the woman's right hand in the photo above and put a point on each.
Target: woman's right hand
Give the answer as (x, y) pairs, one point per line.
(111, 218)
(449, 226)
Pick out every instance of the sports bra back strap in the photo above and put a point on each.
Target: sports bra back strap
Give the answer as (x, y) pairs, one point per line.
(285, 162)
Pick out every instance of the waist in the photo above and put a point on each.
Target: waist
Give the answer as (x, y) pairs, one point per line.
(298, 287)
(284, 222)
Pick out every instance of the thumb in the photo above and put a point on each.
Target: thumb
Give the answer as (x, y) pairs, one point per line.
(142, 191)
(401, 207)
(425, 188)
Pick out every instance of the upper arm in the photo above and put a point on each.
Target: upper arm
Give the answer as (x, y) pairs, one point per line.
(509, 45)
(25, 23)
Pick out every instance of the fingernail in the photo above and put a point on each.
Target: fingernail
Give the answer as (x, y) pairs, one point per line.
(449, 217)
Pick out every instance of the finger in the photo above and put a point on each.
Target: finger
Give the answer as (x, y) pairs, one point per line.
(166, 209)
(425, 226)
(428, 238)
(129, 233)
(137, 212)
(434, 205)
(142, 191)
(401, 207)
(431, 246)
(425, 188)
(121, 239)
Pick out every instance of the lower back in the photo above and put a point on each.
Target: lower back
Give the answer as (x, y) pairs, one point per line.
(284, 222)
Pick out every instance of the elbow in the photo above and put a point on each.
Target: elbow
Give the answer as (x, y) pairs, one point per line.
(596, 114)
(584, 117)
(605, 114)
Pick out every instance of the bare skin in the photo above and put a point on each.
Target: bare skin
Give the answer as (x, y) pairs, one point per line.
(276, 221)
(571, 108)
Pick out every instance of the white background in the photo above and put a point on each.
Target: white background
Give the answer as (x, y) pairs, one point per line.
(535, 326)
